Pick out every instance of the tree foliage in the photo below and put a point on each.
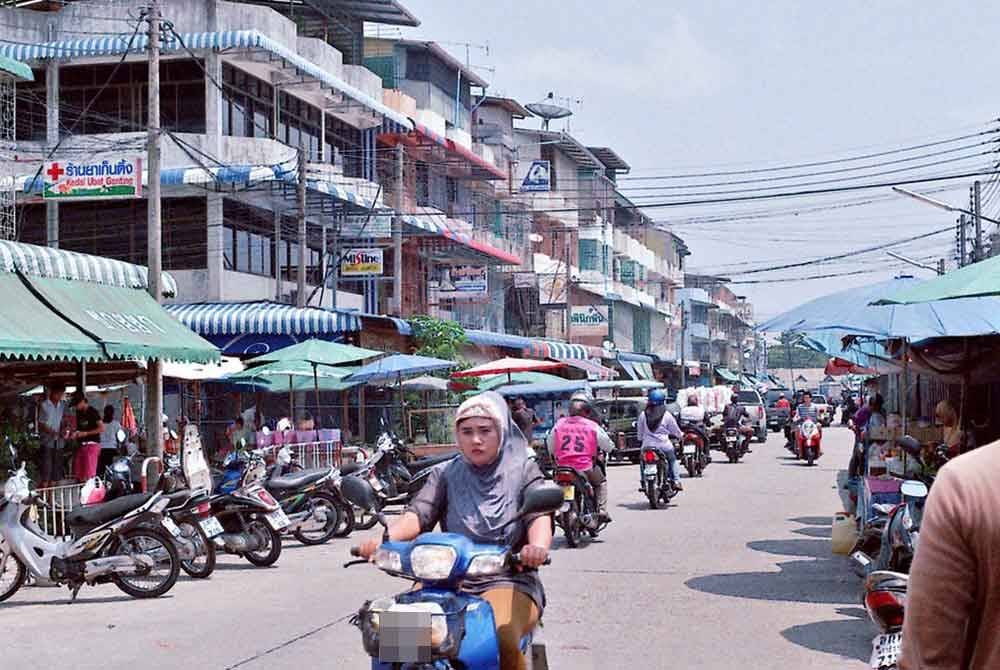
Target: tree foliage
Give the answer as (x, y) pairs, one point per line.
(438, 338)
(777, 357)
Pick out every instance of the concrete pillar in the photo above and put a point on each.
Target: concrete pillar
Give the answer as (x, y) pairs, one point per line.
(51, 139)
(216, 248)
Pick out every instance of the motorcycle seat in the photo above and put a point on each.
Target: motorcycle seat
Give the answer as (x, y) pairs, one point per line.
(419, 464)
(348, 468)
(95, 515)
(297, 479)
(186, 498)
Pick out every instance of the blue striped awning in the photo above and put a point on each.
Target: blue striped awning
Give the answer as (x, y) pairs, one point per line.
(635, 358)
(228, 39)
(488, 339)
(39, 261)
(261, 318)
(340, 192)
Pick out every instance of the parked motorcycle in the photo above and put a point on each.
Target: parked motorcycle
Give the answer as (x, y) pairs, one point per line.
(395, 473)
(578, 515)
(885, 602)
(311, 499)
(655, 474)
(126, 542)
(252, 520)
(457, 629)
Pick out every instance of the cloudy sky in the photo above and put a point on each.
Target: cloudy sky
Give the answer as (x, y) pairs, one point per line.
(693, 88)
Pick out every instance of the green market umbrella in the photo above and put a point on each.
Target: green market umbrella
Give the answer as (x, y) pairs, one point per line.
(294, 376)
(973, 281)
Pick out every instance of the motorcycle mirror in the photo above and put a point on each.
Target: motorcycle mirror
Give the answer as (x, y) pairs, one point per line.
(913, 489)
(13, 455)
(265, 430)
(361, 494)
(541, 500)
(121, 436)
(173, 435)
(910, 445)
(243, 443)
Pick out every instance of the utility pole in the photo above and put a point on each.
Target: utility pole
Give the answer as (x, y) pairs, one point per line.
(154, 249)
(683, 334)
(300, 192)
(397, 238)
(569, 278)
(962, 255)
(977, 251)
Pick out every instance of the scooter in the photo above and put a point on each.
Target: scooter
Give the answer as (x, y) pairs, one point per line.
(126, 542)
(694, 447)
(885, 602)
(311, 499)
(252, 520)
(448, 628)
(578, 515)
(656, 484)
(808, 437)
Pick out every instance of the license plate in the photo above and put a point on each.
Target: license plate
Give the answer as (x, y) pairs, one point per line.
(211, 527)
(689, 449)
(569, 492)
(277, 519)
(171, 527)
(886, 649)
(649, 473)
(405, 637)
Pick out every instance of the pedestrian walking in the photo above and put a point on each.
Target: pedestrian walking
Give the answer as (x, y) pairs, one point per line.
(50, 418)
(953, 597)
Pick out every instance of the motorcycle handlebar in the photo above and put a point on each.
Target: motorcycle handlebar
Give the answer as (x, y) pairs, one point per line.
(515, 559)
(356, 552)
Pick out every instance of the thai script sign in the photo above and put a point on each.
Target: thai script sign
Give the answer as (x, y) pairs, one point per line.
(79, 180)
(356, 262)
(463, 282)
(589, 319)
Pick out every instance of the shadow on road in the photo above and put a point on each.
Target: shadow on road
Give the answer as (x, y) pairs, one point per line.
(802, 548)
(847, 638)
(644, 505)
(821, 532)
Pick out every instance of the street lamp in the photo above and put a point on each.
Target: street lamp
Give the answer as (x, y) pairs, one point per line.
(933, 202)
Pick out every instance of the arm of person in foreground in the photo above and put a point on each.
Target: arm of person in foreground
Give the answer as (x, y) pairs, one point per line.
(422, 515)
(942, 590)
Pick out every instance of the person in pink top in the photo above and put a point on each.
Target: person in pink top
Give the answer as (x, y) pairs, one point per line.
(575, 442)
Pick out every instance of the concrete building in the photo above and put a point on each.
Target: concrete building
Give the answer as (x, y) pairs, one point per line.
(720, 324)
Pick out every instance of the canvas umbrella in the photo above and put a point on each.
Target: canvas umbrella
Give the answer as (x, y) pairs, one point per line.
(316, 353)
(295, 376)
(508, 366)
(397, 366)
(976, 280)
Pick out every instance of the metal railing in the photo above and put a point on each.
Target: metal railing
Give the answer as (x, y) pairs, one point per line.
(58, 502)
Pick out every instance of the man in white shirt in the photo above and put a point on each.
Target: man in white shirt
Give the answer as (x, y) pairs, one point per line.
(50, 417)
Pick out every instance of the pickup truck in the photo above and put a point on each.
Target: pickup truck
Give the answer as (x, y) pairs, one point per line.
(776, 418)
(824, 410)
(754, 406)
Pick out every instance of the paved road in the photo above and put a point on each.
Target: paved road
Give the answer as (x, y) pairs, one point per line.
(738, 571)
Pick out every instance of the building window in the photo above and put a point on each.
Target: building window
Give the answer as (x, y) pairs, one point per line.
(247, 104)
(31, 109)
(299, 125)
(343, 145)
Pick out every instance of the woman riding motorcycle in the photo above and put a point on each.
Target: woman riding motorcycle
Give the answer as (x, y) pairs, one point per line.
(478, 496)
(655, 427)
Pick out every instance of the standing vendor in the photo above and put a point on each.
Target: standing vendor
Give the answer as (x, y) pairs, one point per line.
(89, 427)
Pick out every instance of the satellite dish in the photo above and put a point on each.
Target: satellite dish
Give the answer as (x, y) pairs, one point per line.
(548, 109)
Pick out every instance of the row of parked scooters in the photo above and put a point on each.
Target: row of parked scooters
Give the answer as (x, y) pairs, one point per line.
(140, 541)
(888, 539)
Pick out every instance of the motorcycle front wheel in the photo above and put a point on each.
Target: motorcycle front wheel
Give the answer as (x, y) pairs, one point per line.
(269, 553)
(203, 565)
(166, 564)
(810, 456)
(12, 574)
(322, 535)
(365, 520)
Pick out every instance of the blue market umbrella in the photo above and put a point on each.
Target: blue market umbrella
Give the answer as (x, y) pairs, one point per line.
(395, 367)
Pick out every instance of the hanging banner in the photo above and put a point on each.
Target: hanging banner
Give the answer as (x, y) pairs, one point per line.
(538, 179)
(93, 180)
(589, 319)
(360, 262)
(463, 282)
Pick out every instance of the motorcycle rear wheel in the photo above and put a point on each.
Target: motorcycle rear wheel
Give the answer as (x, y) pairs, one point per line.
(147, 540)
(269, 556)
(324, 535)
(653, 493)
(571, 526)
(203, 566)
(365, 520)
(346, 526)
(12, 575)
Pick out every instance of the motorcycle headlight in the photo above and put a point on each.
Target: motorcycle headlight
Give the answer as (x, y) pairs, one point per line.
(387, 560)
(432, 562)
(487, 564)
(16, 489)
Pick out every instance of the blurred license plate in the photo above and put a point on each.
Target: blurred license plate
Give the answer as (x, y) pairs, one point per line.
(277, 519)
(211, 527)
(886, 649)
(689, 449)
(569, 492)
(649, 472)
(404, 637)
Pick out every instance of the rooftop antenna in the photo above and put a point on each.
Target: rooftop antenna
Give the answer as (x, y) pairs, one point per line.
(548, 110)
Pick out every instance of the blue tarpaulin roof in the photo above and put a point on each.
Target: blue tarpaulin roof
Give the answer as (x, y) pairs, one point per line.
(396, 366)
(851, 313)
(554, 389)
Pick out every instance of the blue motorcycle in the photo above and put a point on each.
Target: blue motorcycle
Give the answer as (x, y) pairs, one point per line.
(438, 627)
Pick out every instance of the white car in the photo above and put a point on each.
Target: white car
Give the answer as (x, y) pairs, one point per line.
(754, 406)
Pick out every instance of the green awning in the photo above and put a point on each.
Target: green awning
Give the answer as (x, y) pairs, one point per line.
(30, 330)
(726, 375)
(16, 69)
(126, 322)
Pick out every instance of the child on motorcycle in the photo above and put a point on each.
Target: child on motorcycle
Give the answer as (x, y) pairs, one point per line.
(478, 495)
(576, 441)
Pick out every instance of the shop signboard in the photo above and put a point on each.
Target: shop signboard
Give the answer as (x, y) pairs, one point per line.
(463, 282)
(361, 262)
(552, 289)
(92, 179)
(589, 319)
(538, 178)
(525, 280)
